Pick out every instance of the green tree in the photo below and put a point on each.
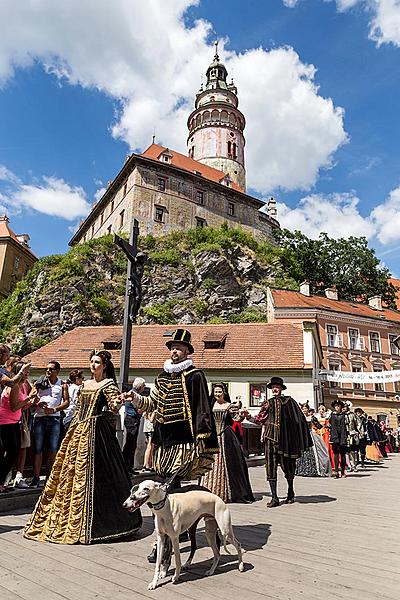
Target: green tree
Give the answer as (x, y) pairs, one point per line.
(349, 264)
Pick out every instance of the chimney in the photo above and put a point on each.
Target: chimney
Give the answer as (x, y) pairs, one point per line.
(375, 302)
(305, 288)
(331, 293)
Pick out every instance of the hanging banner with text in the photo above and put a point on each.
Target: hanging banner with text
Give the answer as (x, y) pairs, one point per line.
(362, 377)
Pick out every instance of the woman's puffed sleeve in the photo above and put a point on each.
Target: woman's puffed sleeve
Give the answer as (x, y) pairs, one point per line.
(112, 396)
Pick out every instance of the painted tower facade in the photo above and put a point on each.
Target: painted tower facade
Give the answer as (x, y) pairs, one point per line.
(216, 125)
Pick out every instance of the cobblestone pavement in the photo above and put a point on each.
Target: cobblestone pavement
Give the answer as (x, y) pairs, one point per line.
(340, 540)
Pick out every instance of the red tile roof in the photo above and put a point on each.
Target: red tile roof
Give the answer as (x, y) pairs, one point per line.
(250, 346)
(188, 164)
(396, 283)
(7, 232)
(291, 299)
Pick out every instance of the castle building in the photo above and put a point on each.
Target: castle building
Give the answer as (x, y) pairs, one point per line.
(166, 190)
(16, 258)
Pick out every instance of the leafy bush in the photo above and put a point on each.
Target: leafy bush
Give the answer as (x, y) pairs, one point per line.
(162, 313)
(38, 342)
(103, 306)
(249, 315)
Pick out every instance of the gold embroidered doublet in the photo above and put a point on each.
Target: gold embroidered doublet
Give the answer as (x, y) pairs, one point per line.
(172, 402)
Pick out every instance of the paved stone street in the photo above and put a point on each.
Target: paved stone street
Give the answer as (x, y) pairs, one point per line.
(340, 540)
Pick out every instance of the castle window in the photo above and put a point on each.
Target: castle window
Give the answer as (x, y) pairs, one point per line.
(101, 218)
(234, 152)
(199, 196)
(229, 149)
(161, 184)
(111, 206)
(159, 214)
(121, 218)
(92, 234)
(231, 209)
(200, 222)
(16, 263)
(125, 188)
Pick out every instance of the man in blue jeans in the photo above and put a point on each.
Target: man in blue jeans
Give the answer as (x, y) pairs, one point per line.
(52, 399)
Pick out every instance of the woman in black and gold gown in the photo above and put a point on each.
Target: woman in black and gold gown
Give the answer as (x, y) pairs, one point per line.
(83, 497)
(229, 476)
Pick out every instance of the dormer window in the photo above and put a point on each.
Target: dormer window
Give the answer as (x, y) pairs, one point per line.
(167, 158)
(215, 340)
(226, 181)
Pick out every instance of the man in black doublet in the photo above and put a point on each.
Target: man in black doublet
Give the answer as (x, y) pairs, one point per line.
(286, 436)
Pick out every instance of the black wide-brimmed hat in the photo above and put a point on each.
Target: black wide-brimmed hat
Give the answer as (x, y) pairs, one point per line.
(183, 336)
(340, 402)
(276, 381)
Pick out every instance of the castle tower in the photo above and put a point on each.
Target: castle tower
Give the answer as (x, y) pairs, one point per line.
(216, 125)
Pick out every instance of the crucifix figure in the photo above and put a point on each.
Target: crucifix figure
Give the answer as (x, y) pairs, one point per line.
(133, 295)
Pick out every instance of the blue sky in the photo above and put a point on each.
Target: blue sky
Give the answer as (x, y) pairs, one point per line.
(84, 83)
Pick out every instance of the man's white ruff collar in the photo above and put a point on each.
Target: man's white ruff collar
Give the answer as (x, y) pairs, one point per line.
(170, 367)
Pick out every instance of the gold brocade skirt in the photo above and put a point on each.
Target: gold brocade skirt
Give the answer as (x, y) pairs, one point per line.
(61, 513)
(82, 501)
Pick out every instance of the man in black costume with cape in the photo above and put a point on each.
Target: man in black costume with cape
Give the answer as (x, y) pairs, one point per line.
(286, 436)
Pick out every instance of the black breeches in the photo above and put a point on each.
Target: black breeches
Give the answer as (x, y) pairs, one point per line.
(273, 459)
(362, 447)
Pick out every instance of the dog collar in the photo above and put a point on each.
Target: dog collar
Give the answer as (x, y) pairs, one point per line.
(159, 505)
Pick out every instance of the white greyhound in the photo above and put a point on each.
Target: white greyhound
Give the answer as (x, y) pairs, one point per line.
(176, 513)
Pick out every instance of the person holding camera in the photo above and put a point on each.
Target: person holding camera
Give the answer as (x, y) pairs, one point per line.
(53, 397)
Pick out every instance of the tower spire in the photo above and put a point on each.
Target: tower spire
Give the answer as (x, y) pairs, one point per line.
(216, 125)
(216, 56)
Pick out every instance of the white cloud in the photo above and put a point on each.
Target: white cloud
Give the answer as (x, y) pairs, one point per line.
(99, 193)
(336, 214)
(7, 175)
(50, 196)
(54, 197)
(146, 56)
(291, 131)
(346, 4)
(385, 25)
(386, 218)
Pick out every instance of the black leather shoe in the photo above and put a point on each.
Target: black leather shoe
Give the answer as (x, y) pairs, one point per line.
(152, 557)
(273, 502)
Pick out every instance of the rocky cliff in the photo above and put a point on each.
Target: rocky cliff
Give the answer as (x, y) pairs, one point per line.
(198, 276)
